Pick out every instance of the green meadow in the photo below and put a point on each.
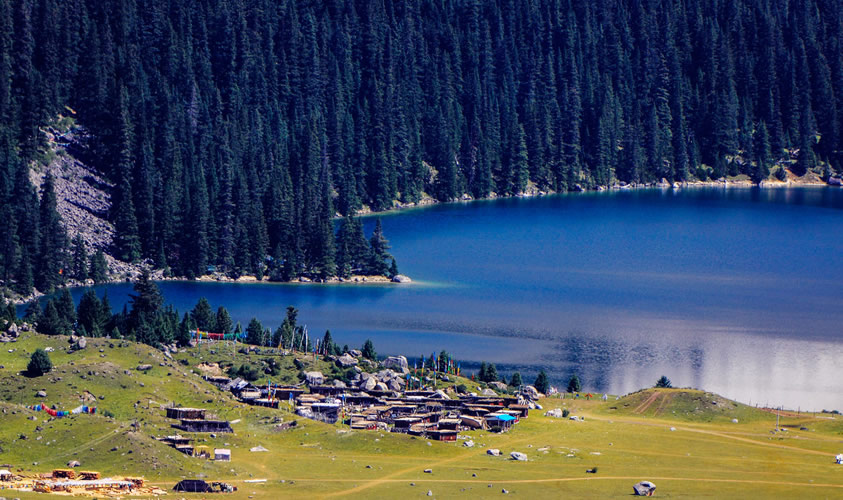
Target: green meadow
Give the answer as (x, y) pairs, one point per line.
(683, 440)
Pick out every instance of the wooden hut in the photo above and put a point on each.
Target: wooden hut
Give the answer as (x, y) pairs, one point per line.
(190, 425)
(499, 422)
(186, 413)
(442, 434)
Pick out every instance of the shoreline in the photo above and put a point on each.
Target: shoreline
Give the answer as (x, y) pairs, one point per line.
(427, 202)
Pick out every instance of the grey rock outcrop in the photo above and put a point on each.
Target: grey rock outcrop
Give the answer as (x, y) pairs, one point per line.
(368, 384)
(517, 455)
(498, 385)
(347, 360)
(398, 363)
(314, 378)
(531, 392)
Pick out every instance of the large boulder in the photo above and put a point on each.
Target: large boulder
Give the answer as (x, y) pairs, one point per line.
(531, 392)
(440, 394)
(339, 383)
(368, 384)
(517, 455)
(494, 452)
(400, 278)
(314, 378)
(356, 353)
(397, 363)
(81, 343)
(644, 488)
(13, 330)
(346, 360)
(380, 386)
(555, 413)
(144, 368)
(498, 385)
(488, 392)
(41, 394)
(73, 463)
(394, 385)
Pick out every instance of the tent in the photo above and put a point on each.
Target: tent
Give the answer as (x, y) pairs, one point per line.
(193, 486)
(222, 454)
(840, 459)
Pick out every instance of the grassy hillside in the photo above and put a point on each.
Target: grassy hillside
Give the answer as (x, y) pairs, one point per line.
(705, 455)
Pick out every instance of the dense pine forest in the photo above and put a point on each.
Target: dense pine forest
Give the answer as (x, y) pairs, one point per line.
(232, 132)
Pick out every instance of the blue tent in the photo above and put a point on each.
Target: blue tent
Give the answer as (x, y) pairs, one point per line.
(505, 418)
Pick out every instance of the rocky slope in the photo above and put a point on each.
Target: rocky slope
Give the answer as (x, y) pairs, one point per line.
(83, 197)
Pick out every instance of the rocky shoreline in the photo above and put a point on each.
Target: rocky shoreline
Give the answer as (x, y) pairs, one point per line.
(808, 180)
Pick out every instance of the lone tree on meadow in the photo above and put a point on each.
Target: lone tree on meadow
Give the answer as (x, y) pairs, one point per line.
(664, 383)
(542, 384)
(516, 381)
(39, 363)
(574, 384)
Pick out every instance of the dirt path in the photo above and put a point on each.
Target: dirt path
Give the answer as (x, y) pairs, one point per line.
(723, 435)
(647, 403)
(393, 476)
(562, 480)
(663, 404)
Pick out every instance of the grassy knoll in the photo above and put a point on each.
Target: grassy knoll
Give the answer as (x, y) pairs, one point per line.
(706, 455)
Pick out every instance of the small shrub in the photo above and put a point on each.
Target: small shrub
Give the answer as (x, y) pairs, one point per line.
(39, 363)
(462, 389)
(108, 413)
(183, 362)
(566, 413)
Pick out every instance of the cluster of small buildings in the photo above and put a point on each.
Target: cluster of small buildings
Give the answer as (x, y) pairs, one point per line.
(425, 413)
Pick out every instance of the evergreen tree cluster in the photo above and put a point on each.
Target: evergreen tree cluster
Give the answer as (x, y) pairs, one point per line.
(235, 130)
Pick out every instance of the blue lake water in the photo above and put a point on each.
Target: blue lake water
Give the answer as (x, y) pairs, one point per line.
(737, 291)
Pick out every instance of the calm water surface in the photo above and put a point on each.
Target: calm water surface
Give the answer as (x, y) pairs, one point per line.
(738, 291)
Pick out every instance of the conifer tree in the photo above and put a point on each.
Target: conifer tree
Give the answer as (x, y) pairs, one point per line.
(53, 240)
(379, 246)
(203, 317)
(542, 384)
(98, 269)
(223, 323)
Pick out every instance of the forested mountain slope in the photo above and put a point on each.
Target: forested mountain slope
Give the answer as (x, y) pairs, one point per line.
(234, 130)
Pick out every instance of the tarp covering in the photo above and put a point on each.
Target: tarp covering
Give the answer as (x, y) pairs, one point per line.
(505, 418)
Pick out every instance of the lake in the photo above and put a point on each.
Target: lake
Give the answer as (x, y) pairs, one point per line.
(738, 291)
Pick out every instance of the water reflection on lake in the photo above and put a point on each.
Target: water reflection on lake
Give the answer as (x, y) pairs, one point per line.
(738, 291)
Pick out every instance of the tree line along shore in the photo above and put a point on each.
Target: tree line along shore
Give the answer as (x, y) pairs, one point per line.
(220, 133)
